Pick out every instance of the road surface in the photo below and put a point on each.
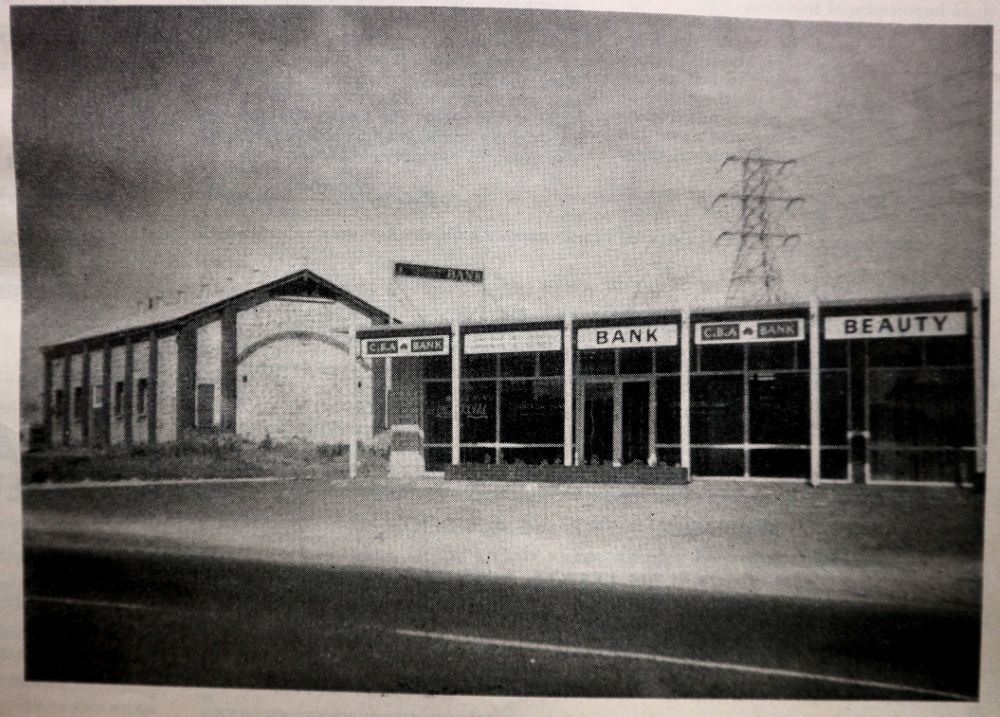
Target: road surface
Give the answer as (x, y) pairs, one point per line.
(127, 616)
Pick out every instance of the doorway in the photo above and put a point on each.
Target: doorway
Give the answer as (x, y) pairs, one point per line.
(613, 420)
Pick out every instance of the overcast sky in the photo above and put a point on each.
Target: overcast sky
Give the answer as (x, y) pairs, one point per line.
(572, 156)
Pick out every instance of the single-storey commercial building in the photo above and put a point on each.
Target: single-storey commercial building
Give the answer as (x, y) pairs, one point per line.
(864, 391)
(889, 390)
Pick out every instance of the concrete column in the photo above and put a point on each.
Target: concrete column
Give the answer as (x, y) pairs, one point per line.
(47, 389)
(979, 378)
(187, 379)
(456, 394)
(67, 415)
(568, 390)
(814, 394)
(227, 373)
(352, 404)
(127, 402)
(388, 390)
(87, 410)
(686, 388)
(152, 386)
(106, 395)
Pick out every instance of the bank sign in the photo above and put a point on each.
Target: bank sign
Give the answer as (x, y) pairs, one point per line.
(612, 337)
(737, 332)
(407, 346)
(895, 326)
(496, 342)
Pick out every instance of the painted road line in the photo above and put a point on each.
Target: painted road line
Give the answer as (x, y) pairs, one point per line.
(686, 662)
(80, 602)
(136, 483)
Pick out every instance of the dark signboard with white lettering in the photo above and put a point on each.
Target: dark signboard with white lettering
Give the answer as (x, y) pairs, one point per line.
(732, 332)
(420, 271)
(407, 346)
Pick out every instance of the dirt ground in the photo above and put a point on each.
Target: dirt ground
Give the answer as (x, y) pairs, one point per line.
(904, 545)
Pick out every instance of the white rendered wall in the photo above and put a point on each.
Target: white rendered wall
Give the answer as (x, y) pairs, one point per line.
(75, 381)
(209, 365)
(140, 369)
(276, 316)
(166, 391)
(296, 389)
(117, 374)
(57, 385)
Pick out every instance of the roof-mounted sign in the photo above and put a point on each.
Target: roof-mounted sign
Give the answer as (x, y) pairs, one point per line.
(495, 342)
(420, 271)
(407, 346)
(761, 330)
(896, 326)
(613, 337)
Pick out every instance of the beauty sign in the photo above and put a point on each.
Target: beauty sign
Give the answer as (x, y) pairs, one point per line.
(896, 326)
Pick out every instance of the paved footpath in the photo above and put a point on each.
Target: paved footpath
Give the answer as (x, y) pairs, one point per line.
(783, 540)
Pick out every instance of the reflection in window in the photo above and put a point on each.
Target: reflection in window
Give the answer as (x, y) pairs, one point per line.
(437, 366)
(833, 408)
(531, 411)
(668, 359)
(634, 361)
(717, 409)
(771, 356)
(779, 408)
(478, 412)
(479, 366)
(533, 456)
(551, 363)
(517, 364)
(437, 412)
(937, 466)
(668, 409)
(597, 363)
(726, 357)
(922, 408)
(779, 463)
(716, 462)
(476, 454)
(894, 353)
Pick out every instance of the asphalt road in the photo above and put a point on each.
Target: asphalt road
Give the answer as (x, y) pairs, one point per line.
(132, 617)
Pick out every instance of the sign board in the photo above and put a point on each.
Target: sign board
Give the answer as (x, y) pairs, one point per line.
(496, 342)
(896, 326)
(612, 337)
(407, 346)
(420, 271)
(761, 330)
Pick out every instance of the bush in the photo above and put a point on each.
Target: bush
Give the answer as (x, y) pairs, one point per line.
(328, 450)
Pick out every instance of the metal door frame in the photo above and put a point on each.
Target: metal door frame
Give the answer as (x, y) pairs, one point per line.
(616, 437)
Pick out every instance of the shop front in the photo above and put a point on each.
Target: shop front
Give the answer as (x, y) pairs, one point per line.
(886, 392)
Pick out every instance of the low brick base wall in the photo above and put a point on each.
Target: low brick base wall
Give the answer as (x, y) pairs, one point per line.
(634, 474)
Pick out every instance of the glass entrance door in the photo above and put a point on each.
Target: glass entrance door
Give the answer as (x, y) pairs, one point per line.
(613, 421)
(598, 422)
(635, 422)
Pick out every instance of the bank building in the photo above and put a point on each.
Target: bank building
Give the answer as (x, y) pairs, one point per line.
(888, 390)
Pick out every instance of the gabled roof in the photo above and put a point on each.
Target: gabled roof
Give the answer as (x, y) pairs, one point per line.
(303, 283)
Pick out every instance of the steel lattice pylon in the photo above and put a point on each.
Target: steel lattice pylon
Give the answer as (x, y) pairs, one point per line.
(755, 278)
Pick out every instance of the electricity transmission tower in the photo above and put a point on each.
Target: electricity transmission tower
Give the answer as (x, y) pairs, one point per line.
(755, 278)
